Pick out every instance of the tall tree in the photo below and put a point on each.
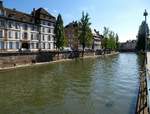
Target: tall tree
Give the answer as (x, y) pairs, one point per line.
(117, 42)
(143, 29)
(86, 36)
(110, 40)
(105, 38)
(59, 33)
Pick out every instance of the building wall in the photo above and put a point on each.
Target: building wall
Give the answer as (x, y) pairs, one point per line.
(13, 34)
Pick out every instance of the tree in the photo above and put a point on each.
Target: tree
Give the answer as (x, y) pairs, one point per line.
(143, 29)
(59, 33)
(86, 36)
(75, 35)
(110, 40)
(117, 42)
(105, 38)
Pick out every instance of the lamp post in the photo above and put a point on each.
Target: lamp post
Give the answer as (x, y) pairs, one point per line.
(145, 14)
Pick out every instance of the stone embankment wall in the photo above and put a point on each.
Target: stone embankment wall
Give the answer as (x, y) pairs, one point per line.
(14, 59)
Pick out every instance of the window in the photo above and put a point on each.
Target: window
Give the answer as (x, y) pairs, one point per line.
(32, 37)
(10, 34)
(1, 34)
(1, 45)
(25, 35)
(10, 45)
(43, 38)
(16, 35)
(10, 24)
(37, 45)
(43, 29)
(43, 45)
(48, 24)
(2, 23)
(25, 27)
(48, 30)
(32, 45)
(17, 26)
(37, 36)
(17, 45)
(49, 38)
(49, 46)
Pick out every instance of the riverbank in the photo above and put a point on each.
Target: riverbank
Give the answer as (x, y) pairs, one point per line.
(56, 61)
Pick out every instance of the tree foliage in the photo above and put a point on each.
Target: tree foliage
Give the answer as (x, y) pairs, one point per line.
(143, 29)
(59, 33)
(110, 39)
(85, 36)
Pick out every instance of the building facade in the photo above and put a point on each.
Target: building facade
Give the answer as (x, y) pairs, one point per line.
(97, 40)
(19, 31)
(130, 45)
(72, 34)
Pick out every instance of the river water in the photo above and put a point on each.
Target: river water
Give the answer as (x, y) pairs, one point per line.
(105, 85)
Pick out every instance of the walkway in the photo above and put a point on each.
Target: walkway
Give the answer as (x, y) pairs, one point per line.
(144, 94)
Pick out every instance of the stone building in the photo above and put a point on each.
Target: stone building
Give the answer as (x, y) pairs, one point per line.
(72, 37)
(71, 34)
(19, 31)
(129, 45)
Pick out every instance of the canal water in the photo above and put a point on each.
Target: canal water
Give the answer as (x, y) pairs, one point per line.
(105, 85)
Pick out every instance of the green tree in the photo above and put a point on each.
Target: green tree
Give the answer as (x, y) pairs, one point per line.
(110, 40)
(76, 35)
(143, 29)
(105, 38)
(59, 33)
(117, 42)
(86, 36)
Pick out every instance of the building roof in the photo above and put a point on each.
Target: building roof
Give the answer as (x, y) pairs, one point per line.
(18, 16)
(39, 14)
(42, 14)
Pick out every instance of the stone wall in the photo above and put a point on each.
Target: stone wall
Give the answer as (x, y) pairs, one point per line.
(15, 59)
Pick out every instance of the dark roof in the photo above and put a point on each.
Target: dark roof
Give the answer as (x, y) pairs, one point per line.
(72, 24)
(40, 14)
(19, 16)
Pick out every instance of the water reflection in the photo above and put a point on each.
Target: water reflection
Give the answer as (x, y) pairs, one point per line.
(106, 85)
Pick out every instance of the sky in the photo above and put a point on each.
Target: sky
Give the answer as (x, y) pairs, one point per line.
(122, 16)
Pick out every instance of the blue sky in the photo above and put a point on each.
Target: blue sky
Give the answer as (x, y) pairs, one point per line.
(121, 16)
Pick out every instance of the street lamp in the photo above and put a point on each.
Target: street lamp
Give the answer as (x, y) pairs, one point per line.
(145, 14)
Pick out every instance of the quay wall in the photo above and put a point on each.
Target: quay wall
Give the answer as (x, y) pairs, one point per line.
(8, 60)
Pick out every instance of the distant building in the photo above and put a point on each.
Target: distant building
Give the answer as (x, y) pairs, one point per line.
(97, 38)
(130, 45)
(71, 35)
(19, 30)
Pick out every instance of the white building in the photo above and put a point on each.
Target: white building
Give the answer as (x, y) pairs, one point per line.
(32, 32)
(97, 40)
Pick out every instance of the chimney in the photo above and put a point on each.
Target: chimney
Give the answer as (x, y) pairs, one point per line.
(1, 3)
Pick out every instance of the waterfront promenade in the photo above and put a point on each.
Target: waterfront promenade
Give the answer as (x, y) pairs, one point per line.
(143, 102)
